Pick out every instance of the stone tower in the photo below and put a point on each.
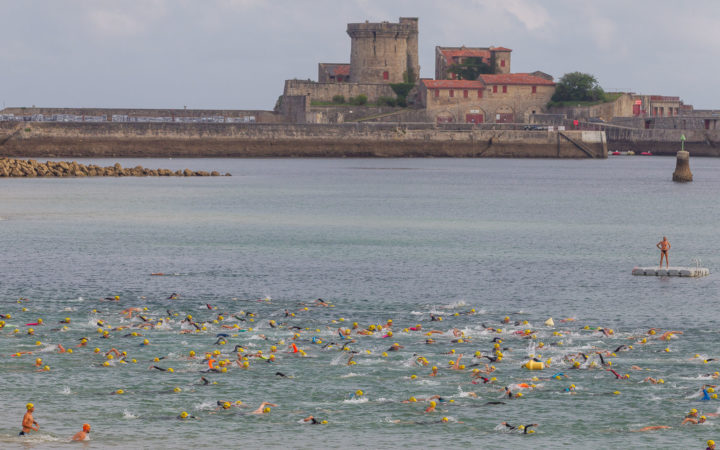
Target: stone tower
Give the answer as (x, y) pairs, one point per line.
(384, 52)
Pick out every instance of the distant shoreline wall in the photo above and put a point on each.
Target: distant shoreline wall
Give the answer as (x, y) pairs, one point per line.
(663, 141)
(48, 139)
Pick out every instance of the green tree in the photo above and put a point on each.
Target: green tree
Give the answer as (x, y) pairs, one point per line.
(471, 68)
(578, 86)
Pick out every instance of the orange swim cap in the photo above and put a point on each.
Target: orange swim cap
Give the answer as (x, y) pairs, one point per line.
(86, 427)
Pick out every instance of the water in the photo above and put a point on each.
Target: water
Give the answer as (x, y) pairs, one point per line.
(379, 239)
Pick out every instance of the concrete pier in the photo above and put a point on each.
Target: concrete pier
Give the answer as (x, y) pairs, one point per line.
(671, 271)
(682, 172)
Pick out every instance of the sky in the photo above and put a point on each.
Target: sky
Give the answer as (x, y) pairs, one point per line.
(236, 54)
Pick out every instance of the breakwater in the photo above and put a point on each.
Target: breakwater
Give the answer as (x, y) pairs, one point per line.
(48, 139)
(663, 141)
(18, 168)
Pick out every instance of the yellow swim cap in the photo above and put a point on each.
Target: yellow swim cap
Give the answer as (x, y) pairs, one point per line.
(710, 443)
(192, 353)
(146, 342)
(432, 403)
(119, 392)
(69, 350)
(412, 399)
(324, 422)
(445, 419)
(183, 415)
(384, 354)
(29, 406)
(170, 369)
(616, 393)
(177, 389)
(359, 393)
(693, 411)
(106, 364)
(266, 410)
(413, 376)
(519, 394)
(226, 405)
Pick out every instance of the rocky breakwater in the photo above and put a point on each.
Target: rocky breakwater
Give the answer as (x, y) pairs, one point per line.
(10, 167)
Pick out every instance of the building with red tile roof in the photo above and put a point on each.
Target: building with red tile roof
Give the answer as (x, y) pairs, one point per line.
(445, 57)
(333, 72)
(496, 98)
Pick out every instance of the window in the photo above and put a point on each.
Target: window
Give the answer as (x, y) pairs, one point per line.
(453, 76)
(452, 93)
(386, 75)
(465, 93)
(502, 63)
(504, 89)
(479, 93)
(494, 89)
(437, 93)
(534, 89)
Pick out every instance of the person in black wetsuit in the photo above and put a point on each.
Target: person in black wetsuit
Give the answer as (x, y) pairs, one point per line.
(524, 428)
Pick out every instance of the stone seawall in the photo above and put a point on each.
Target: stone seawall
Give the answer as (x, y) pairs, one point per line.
(47, 139)
(663, 142)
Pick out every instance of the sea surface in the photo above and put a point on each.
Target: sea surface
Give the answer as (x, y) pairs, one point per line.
(378, 239)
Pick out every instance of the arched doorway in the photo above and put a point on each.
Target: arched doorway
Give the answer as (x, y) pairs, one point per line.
(474, 115)
(504, 114)
(444, 117)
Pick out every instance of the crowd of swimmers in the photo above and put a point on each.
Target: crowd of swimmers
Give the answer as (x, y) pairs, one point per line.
(295, 341)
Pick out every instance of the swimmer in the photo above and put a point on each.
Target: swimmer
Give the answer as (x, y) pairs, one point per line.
(204, 381)
(28, 422)
(434, 372)
(654, 381)
(617, 375)
(60, 348)
(710, 445)
(651, 428)
(524, 428)
(668, 334)
(395, 347)
(263, 408)
(693, 420)
(313, 421)
(129, 312)
(184, 415)
(457, 365)
(82, 435)
(320, 302)
(431, 408)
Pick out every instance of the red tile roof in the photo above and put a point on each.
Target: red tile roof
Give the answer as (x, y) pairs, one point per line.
(453, 84)
(340, 69)
(515, 78)
(500, 49)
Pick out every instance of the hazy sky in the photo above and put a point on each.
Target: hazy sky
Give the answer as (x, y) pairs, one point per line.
(237, 53)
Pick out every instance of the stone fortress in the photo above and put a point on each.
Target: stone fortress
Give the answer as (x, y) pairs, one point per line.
(383, 54)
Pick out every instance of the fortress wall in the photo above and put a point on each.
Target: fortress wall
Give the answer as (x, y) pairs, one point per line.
(43, 139)
(260, 115)
(324, 92)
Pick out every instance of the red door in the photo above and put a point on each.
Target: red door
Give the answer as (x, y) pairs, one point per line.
(505, 118)
(474, 118)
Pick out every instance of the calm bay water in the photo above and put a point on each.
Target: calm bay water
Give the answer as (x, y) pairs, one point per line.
(379, 239)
